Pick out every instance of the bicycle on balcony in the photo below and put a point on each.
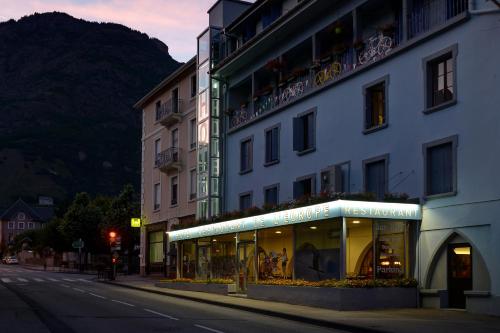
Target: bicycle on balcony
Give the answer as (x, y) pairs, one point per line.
(239, 117)
(328, 73)
(377, 47)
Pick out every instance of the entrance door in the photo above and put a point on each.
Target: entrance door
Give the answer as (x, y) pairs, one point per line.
(459, 273)
(202, 271)
(246, 269)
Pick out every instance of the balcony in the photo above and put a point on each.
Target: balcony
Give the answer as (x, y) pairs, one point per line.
(169, 112)
(343, 48)
(169, 160)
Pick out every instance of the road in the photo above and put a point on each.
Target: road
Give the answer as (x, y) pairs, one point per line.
(49, 302)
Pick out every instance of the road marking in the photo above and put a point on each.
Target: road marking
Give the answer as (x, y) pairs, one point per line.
(80, 290)
(22, 280)
(161, 314)
(65, 285)
(6, 280)
(83, 280)
(51, 279)
(124, 303)
(69, 280)
(208, 328)
(38, 280)
(98, 296)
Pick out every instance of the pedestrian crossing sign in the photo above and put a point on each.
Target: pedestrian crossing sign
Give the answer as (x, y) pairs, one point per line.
(135, 222)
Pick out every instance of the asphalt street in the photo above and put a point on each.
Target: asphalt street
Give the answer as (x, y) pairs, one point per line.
(37, 301)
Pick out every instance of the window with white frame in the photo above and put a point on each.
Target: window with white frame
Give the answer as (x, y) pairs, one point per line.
(20, 225)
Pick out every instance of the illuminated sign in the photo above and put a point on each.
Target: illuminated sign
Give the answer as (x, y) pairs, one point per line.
(327, 210)
(135, 222)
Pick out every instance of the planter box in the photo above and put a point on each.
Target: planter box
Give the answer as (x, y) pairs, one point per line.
(214, 288)
(337, 298)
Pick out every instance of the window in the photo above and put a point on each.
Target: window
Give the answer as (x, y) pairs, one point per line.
(21, 216)
(30, 225)
(192, 184)
(175, 100)
(157, 147)
(304, 136)
(11, 225)
(375, 180)
(304, 186)
(193, 86)
(272, 145)
(440, 167)
(173, 190)
(375, 95)
(158, 110)
(192, 133)
(20, 225)
(440, 78)
(246, 152)
(156, 197)
(245, 201)
(174, 138)
(271, 195)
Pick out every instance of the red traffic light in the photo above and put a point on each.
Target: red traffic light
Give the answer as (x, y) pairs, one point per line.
(113, 260)
(112, 234)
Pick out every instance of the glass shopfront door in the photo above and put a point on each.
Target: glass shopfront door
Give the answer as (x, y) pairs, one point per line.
(459, 273)
(246, 263)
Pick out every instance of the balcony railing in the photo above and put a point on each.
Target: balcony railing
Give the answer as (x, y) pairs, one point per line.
(169, 159)
(427, 14)
(169, 112)
(422, 17)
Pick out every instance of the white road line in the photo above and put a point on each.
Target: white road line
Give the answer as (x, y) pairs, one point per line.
(124, 303)
(208, 328)
(161, 314)
(6, 280)
(98, 296)
(69, 280)
(83, 280)
(22, 280)
(80, 290)
(38, 280)
(51, 279)
(65, 285)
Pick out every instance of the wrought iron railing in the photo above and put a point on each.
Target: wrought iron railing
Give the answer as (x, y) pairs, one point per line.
(166, 109)
(427, 14)
(167, 157)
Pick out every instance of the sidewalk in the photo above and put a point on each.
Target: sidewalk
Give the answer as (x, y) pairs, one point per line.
(395, 320)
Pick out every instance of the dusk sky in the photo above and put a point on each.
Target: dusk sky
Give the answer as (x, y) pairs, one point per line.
(175, 22)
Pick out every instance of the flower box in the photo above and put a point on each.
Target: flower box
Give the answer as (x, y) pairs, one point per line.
(343, 299)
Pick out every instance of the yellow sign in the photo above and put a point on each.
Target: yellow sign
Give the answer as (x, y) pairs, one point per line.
(135, 222)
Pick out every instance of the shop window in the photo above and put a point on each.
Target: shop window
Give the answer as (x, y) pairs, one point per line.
(188, 259)
(271, 194)
(223, 257)
(376, 104)
(246, 155)
(317, 250)
(304, 187)
(156, 247)
(440, 167)
(375, 178)
(275, 253)
(272, 137)
(391, 247)
(359, 248)
(304, 132)
(245, 201)
(203, 258)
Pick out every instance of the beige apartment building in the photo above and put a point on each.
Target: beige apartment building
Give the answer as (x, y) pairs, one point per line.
(168, 173)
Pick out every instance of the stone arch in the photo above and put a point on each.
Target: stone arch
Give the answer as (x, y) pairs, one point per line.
(441, 250)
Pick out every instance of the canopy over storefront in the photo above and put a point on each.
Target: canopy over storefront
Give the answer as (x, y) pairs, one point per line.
(323, 211)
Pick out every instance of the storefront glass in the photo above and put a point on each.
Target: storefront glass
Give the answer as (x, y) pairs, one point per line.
(223, 257)
(275, 253)
(188, 259)
(359, 248)
(246, 259)
(156, 247)
(317, 250)
(203, 259)
(391, 250)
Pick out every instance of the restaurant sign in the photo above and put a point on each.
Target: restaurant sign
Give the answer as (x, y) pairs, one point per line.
(323, 211)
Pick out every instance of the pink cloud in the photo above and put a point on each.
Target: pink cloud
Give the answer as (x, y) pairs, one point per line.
(176, 23)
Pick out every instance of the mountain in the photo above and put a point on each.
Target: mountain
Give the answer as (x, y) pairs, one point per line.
(67, 87)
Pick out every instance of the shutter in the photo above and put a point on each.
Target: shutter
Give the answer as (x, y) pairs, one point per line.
(298, 134)
(297, 190)
(269, 146)
(310, 131)
(250, 155)
(275, 140)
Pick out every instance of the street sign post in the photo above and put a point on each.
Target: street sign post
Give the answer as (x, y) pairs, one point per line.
(79, 244)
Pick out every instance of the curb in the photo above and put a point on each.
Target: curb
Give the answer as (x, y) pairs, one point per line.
(292, 317)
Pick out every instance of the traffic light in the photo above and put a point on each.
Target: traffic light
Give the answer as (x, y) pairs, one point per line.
(112, 239)
(113, 260)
